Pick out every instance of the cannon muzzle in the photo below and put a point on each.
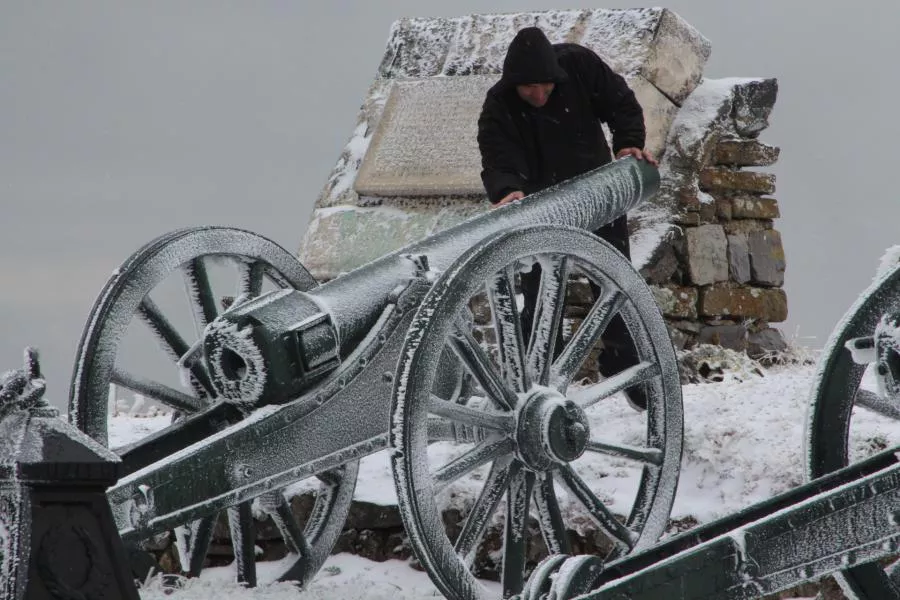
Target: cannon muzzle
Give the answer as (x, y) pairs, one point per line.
(273, 348)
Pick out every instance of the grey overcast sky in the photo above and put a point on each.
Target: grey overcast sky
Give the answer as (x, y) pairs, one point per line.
(122, 121)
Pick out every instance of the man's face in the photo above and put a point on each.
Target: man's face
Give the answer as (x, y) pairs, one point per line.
(535, 94)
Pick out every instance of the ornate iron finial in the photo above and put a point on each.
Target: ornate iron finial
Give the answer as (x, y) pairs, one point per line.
(24, 388)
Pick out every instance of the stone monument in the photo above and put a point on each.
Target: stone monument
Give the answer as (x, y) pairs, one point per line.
(707, 244)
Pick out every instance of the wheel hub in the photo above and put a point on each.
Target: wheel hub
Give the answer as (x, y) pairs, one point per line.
(550, 429)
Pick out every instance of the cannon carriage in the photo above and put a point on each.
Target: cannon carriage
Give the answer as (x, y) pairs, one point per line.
(296, 382)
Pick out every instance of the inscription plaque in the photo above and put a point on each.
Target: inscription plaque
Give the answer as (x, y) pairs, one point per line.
(425, 143)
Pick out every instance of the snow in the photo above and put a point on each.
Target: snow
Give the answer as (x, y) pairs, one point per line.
(340, 182)
(655, 225)
(742, 445)
(698, 117)
(703, 119)
(344, 576)
(428, 47)
(889, 261)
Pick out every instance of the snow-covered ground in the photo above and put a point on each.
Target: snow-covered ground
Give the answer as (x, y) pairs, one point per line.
(743, 443)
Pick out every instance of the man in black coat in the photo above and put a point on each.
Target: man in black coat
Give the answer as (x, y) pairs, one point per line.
(540, 125)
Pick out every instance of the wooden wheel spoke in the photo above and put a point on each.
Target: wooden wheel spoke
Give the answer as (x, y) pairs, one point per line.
(618, 533)
(157, 391)
(515, 532)
(243, 538)
(553, 528)
(639, 373)
(495, 421)
(485, 505)
(251, 278)
(585, 338)
(878, 404)
(280, 510)
(172, 342)
(649, 456)
(548, 315)
(199, 289)
(508, 328)
(193, 543)
(481, 454)
(478, 363)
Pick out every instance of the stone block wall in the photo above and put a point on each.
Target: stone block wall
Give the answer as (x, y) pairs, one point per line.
(718, 278)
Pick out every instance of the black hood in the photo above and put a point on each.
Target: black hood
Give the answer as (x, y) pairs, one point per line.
(531, 59)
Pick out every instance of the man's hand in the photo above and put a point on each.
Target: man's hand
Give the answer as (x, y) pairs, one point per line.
(512, 196)
(638, 154)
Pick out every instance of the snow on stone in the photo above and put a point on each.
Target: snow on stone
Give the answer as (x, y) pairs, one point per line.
(351, 159)
(340, 181)
(708, 103)
(702, 120)
(435, 47)
(655, 225)
(385, 209)
(889, 261)
(9, 538)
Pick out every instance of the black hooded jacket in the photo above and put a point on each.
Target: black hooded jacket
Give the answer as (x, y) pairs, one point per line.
(528, 149)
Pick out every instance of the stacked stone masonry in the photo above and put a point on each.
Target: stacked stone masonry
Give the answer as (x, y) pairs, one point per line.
(719, 280)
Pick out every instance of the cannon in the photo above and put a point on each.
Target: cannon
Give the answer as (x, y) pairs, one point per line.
(290, 383)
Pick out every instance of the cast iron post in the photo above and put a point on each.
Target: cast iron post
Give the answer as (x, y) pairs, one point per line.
(57, 536)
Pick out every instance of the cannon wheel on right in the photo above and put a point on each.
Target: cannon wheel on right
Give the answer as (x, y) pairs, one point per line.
(855, 407)
(542, 443)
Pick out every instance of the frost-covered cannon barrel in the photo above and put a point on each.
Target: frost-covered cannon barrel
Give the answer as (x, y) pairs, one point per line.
(281, 342)
(279, 386)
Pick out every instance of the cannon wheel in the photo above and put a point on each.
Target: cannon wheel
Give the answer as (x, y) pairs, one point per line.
(835, 392)
(256, 262)
(533, 426)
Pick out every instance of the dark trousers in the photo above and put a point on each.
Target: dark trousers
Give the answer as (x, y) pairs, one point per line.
(618, 350)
